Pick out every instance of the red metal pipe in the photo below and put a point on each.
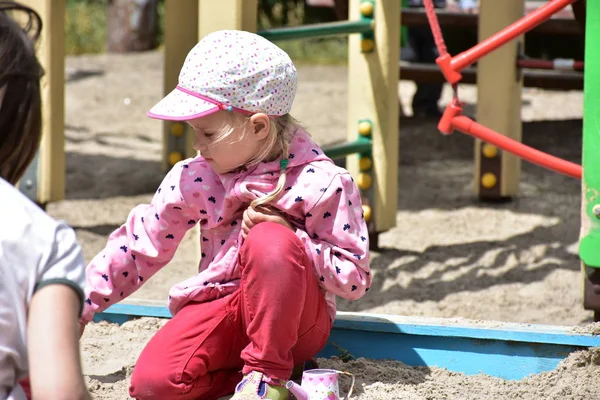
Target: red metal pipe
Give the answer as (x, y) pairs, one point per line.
(558, 64)
(526, 23)
(451, 66)
(470, 127)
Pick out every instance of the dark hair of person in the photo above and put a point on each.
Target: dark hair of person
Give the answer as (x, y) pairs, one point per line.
(20, 93)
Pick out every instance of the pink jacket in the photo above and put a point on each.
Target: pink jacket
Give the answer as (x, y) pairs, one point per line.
(320, 199)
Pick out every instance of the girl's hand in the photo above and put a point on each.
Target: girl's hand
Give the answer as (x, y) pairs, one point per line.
(254, 217)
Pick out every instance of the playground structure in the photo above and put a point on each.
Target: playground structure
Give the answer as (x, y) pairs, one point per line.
(557, 74)
(489, 141)
(569, 23)
(372, 151)
(370, 160)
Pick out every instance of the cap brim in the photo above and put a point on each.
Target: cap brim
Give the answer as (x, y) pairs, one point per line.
(180, 106)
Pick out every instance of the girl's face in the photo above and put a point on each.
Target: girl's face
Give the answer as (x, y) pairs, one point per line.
(237, 148)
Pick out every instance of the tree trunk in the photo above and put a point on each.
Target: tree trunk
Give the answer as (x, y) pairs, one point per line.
(132, 25)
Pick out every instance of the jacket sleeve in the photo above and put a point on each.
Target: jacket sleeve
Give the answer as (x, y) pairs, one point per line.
(336, 239)
(144, 244)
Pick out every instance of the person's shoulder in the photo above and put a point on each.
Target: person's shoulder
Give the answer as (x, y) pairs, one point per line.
(36, 248)
(22, 217)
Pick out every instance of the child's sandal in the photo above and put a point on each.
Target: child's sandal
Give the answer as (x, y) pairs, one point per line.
(256, 386)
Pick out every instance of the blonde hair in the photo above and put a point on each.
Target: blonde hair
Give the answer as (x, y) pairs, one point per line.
(277, 142)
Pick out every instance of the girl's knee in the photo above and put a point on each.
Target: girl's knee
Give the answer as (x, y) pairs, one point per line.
(155, 382)
(272, 240)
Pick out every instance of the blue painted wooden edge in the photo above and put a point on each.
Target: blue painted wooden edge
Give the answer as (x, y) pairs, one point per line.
(486, 330)
(439, 327)
(503, 350)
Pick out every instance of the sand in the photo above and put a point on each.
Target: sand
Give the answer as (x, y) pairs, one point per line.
(575, 378)
(449, 256)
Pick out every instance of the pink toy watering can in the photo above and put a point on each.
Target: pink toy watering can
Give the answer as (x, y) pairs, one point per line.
(320, 384)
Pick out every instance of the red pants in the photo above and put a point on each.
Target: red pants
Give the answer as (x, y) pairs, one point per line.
(26, 385)
(277, 319)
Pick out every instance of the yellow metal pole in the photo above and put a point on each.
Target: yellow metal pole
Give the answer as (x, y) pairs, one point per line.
(48, 182)
(227, 14)
(181, 34)
(499, 86)
(373, 100)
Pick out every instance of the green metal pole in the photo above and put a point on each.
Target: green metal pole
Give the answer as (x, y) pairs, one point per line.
(589, 249)
(362, 25)
(589, 244)
(361, 145)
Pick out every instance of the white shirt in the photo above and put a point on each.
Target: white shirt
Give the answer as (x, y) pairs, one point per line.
(35, 250)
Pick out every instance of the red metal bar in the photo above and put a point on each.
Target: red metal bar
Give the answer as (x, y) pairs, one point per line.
(470, 127)
(451, 66)
(558, 64)
(435, 27)
(468, 57)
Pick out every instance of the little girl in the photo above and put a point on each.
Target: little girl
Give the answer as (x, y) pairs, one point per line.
(41, 264)
(282, 233)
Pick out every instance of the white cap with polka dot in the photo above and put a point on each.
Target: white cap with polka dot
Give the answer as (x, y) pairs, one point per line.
(231, 70)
